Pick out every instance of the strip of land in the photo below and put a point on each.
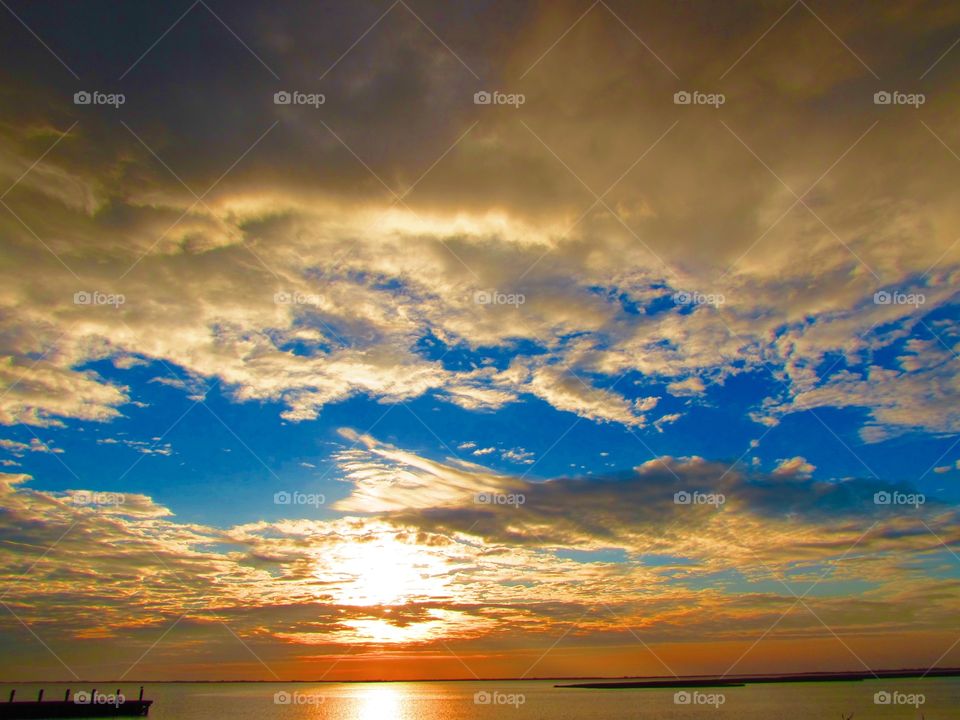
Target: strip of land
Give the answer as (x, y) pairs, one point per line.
(741, 680)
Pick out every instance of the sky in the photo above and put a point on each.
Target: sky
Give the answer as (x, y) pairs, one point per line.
(478, 339)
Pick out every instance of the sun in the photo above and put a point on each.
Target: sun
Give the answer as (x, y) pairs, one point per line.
(384, 571)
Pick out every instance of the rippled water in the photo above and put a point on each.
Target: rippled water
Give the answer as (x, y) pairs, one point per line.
(526, 700)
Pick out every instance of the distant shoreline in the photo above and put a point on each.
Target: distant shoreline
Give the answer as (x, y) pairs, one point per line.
(589, 682)
(741, 680)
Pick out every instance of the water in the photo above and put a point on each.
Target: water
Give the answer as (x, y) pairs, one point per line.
(523, 700)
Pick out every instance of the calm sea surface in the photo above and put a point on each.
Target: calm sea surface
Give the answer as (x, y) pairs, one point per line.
(526, 700)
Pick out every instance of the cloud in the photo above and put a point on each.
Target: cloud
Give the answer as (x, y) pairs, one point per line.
(794, 467)
(40, 393)
(518, 455)
(499, 211)
(566, 390)
(920, 395)
(154, 446)
(691, 386)
(35, 445)
(666, 420)
(413, 557)
(626, 510)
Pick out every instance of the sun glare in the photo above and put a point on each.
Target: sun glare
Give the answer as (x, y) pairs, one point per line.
(379, 702)
(384, 572)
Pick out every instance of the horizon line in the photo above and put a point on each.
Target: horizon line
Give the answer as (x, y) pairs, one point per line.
(863, 674)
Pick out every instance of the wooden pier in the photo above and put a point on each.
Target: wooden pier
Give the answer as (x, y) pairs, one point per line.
(83, 704)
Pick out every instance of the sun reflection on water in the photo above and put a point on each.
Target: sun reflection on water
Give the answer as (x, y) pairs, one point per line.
(379, 702)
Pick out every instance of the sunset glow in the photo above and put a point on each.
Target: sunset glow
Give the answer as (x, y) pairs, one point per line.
(468, 340)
